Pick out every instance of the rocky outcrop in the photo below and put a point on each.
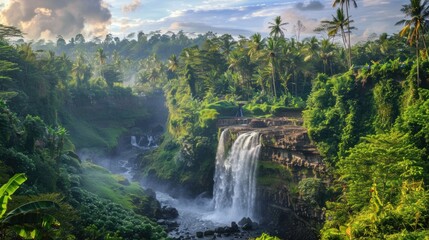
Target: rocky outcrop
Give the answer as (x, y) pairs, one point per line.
(287, 159)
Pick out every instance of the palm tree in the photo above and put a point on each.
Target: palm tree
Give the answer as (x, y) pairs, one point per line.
(79, 70)
(260, 76)
(271, 54)
(277, 27)
(311, 47)
(346, 3)
(226, 44)
(9, 31)
(101, 58)
(256, 44)
(418, 12)
(239, 62)
(327, 53)
(173, 63)
(338, 24)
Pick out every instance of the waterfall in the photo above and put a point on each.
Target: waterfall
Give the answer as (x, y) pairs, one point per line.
(149, 140)
(235, 176)
(134, 141)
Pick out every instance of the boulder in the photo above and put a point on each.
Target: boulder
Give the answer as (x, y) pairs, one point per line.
(169, 212)
(247, 227)
(244, 221)
(199, 234)
(234, 227)
(208, 233)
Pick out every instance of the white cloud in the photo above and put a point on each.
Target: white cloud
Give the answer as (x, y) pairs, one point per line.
(132, 6)
(368, 3)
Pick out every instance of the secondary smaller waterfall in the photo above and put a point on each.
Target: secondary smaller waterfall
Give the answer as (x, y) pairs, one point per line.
(134, 142)
(144, 143)
(234, 190)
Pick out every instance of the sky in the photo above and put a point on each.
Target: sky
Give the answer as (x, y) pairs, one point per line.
(50, 18)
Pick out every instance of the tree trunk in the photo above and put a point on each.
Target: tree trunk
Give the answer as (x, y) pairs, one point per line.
(348, 33)
(274, 81)
(418, 63)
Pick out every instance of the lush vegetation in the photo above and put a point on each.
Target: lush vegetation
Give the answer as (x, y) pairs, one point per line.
(367, 123)
(366, 109)
(47, 106)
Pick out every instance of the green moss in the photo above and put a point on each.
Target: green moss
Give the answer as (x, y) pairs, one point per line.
(273, 174)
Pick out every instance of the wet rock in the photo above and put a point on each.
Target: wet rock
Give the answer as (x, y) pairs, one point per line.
(199, 234)
(244, 221)
(255, 225)
(161, 222)
(150, 192)
(256, 123)
(234, 227)
(169, 212)
(247, 227)
(208, 233)
(168, 225)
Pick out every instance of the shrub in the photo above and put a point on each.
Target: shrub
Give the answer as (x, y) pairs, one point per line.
(278, 110)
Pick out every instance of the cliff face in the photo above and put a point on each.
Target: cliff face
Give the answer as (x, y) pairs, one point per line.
(291, 185)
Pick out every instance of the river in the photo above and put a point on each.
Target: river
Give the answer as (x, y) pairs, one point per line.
(195, 215)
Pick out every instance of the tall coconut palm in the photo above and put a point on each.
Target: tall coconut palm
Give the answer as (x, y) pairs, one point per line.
(346, 4)
(327, 53)
(226, 44)
(277, 27)
(339, 23)
(311, 47)
(173, 63)
(415, 26)
(256, 44)
(101, 58)
(80, 70)
(272, 48)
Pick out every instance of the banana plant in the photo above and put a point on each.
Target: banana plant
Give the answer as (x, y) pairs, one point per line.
(28, 220)
(8, 189)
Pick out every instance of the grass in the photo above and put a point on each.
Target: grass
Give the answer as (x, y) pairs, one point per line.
(101, 182)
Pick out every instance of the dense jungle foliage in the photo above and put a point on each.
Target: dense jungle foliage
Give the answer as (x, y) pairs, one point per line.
(366, 109)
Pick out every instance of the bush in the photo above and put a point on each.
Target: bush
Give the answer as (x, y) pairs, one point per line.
(99, 217)
(208, 118)
(265, 236)
(278, 110)
(311, 191)
(224, 108)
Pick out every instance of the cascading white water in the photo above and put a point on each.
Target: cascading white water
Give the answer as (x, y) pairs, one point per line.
(235, 177)
(134, 142)
(150, 141)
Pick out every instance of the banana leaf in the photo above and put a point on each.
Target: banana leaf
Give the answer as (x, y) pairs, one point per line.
(8, 189)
